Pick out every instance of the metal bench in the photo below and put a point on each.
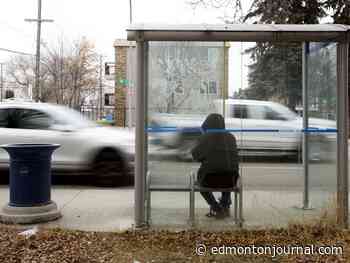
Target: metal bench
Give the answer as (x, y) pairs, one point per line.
(193, 187)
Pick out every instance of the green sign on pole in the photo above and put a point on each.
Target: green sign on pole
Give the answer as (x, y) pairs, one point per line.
(123, 82)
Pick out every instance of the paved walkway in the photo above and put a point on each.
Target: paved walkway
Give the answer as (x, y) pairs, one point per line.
(112, 209)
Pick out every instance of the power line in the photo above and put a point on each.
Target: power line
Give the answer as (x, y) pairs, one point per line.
(16, 52)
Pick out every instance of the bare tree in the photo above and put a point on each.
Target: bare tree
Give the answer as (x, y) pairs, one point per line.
(235, 7)
(180, 73)
(69, 74)
(20, 70)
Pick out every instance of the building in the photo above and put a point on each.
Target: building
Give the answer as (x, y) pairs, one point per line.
(100, 103)
(18, 92)
(124, 82)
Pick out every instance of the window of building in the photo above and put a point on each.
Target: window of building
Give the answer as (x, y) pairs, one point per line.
(109, 99)
(209, 87)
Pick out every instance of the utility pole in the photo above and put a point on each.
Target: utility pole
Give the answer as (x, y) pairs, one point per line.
(1, 82)
(37, 58)
(101, 93)
(130, 9)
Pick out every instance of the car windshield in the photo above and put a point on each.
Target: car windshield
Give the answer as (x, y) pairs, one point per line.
(282, 110)
(285, 112)
(70, 117)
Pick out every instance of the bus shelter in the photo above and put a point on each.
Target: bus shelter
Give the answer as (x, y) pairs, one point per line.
(323, 93)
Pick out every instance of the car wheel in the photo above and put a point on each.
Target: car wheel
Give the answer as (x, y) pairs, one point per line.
(109, 169)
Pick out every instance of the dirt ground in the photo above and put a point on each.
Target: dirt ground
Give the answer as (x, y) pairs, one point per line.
(57, 245)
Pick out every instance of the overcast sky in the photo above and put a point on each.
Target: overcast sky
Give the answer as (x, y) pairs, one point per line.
(101, 21)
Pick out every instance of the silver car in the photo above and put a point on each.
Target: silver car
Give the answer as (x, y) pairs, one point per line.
(260, 128)
(100, 153)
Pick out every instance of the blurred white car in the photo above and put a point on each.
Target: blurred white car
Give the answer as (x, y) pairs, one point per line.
(260, 128)
(102, 153)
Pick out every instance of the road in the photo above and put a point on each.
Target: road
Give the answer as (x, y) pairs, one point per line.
(268, 174)
(256, 175)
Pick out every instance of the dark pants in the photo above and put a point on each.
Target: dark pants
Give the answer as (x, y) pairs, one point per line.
(225, 200)
(220, 180)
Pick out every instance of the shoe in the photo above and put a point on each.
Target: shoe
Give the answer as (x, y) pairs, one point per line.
(225, 206)
(218, 214)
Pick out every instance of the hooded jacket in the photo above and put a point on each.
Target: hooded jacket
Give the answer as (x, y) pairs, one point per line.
(216, 149)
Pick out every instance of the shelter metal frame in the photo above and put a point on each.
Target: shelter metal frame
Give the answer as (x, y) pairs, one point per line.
(143, 33)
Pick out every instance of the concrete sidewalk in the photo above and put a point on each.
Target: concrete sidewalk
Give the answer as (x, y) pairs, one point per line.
(112, 209)
(89, 208)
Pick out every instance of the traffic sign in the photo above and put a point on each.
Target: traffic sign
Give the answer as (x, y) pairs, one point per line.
(124, 82)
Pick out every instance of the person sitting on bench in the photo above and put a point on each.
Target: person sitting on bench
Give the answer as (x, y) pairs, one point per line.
(217, 152)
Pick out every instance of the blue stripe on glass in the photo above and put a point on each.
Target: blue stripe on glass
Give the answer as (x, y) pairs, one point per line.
(199, 130)
(312, 129)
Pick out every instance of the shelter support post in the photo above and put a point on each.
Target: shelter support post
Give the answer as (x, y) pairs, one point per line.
(140, 133)
(342, 138)
(305, 150)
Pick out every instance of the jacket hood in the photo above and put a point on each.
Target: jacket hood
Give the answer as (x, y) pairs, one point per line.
(214, 121)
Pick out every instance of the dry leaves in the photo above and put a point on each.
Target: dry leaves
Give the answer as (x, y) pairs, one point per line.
(57, 245)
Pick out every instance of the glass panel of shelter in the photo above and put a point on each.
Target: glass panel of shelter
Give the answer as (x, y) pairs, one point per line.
(322, 142)
(187, 82)
(270, 147)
